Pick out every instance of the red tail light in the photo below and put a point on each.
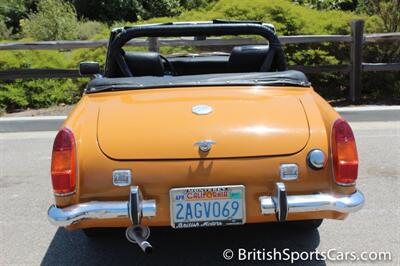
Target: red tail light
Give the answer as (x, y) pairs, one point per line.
(344, 153)
(63, 163)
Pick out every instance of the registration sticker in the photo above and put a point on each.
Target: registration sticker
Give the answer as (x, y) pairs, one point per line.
(207, 206)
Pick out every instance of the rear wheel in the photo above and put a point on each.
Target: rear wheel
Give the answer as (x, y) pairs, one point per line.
(304, 224)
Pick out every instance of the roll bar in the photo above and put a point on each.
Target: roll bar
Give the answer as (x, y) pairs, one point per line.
(121, 36)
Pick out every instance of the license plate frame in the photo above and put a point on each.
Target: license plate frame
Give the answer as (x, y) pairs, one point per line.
(235, 193)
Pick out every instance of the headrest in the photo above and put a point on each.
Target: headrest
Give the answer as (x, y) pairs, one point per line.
(247, 58)
(144, 63)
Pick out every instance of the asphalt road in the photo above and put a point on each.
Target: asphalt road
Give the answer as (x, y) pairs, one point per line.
(48, 123)
(27, 238)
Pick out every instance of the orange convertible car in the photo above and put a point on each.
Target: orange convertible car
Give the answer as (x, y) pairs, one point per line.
(200, 140)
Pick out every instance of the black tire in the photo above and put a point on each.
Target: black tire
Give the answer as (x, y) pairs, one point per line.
(304, 224)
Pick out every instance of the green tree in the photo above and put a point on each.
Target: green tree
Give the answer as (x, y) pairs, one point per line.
(346, 5)
(5, 32)
(12, 11)
(157, 8)
(194, 4)
(388, 11)
(54, 20)
(107, 10)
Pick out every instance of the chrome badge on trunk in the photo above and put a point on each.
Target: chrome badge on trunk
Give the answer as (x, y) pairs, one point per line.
(205, 145)
(201, 109)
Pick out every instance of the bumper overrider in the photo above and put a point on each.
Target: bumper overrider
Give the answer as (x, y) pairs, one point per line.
(136, 208)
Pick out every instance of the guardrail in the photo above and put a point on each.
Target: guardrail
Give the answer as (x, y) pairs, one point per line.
(356, 39)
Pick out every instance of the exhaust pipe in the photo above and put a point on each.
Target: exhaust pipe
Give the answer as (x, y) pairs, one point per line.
(139, 235)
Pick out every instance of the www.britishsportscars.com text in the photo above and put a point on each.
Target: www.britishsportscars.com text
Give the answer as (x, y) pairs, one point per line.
(242, 254)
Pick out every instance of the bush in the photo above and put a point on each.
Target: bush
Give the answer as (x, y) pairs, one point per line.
(54, 20)
(12, 96)
(107, 11)
(349, 5)
(289, 19)
(157, 8)
(192, 4)
(5, 33)
(12, 11)
(39, 93)
(88, 29)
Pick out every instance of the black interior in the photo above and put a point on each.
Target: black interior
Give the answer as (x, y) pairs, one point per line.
(242, 59)
(192, 65)
(248, 58)
(144, 63)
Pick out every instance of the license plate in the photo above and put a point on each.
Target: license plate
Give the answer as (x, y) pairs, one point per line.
(207, 206)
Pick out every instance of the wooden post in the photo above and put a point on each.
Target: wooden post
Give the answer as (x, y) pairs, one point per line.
(154, 44)
(357, 34)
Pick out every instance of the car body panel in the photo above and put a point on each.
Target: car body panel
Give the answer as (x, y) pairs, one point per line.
(156, 177)
(160, 124)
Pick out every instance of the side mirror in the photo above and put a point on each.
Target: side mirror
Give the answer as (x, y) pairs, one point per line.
(89, 68)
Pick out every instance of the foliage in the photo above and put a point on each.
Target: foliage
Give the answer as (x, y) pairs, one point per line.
(54, 20)
(12, 11)
(388, 11)
(192, 4)
(88, 29)
(5, 32)
(288, 17)
(348, 5)
(157, 8)
(106, 10)
(38, 93)
(133, 10)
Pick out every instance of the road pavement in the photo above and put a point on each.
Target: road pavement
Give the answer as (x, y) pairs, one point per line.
(48, 123)
(27, 238)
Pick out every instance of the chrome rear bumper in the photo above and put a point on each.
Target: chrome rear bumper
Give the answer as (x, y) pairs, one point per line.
(282, 204)
(134, 209)
(137, 208)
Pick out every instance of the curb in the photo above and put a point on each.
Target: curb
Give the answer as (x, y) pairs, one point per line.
(369, 113)
(36, 123)
(367, 108)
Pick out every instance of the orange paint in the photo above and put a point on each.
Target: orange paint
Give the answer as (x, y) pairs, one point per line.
(153, 131)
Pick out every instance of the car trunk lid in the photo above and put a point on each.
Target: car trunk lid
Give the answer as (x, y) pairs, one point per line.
(160, 123)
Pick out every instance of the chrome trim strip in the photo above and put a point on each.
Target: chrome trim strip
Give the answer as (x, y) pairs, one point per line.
(316, 202)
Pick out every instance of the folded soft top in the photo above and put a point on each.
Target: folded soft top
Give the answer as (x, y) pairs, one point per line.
(290, 77)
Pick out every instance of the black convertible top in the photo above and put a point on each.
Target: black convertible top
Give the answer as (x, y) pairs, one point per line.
(281, 78)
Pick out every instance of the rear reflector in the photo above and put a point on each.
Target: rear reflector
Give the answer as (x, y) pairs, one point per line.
(344, 153)
(63, 163)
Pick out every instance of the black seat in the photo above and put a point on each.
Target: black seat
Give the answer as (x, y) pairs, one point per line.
(249, 58)
(195, 65)
(144, 63)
